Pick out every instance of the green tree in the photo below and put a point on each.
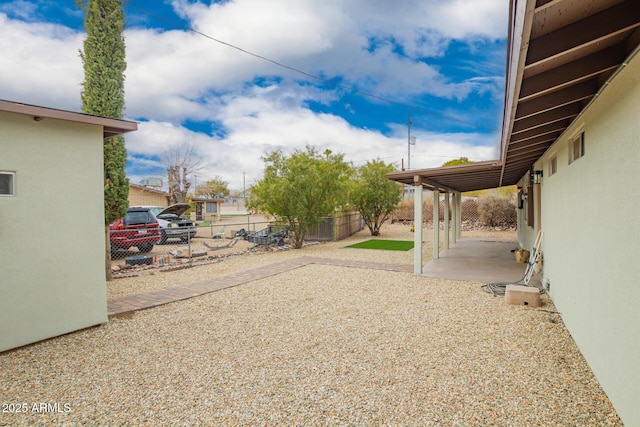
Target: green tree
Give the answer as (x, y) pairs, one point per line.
(374, 195)
(460, 161)
(213, 188)
(302, 188)
(103, 94)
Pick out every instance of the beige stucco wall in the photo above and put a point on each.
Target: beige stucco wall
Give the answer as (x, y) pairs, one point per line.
(591, 221)
(52, 241)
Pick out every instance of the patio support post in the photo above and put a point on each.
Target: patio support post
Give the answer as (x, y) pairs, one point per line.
(454, 218)
(458, 222)
(446, 220)
(436, 223)
(417, 225)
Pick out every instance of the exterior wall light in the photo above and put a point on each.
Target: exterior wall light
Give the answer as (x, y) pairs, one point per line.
(537, 175)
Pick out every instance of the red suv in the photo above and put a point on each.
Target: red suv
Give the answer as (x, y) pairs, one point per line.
(139, 228)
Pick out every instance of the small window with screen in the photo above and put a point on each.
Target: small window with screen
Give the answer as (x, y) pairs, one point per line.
(7, 183)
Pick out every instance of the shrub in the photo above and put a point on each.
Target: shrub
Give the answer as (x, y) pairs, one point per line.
(497, 211)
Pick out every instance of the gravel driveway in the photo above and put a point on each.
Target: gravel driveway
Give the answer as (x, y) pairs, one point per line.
(320, 345)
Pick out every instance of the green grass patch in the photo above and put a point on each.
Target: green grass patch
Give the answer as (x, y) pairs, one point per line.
(387, 245)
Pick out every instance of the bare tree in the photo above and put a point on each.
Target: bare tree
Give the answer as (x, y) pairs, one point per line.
(181, 162)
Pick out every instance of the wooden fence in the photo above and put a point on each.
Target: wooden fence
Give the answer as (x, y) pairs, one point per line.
(334, 228)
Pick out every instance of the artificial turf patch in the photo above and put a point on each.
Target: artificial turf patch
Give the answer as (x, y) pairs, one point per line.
(387, 245)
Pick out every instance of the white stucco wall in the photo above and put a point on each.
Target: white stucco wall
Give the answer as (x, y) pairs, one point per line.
(591, 221)
(52, 231)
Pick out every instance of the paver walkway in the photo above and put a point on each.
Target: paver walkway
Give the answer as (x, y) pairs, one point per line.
(129, 303)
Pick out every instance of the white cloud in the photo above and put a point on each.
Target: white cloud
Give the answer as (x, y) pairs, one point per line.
(178, 76)
(40, 63)
(22, 9)
(418, 23)
(323, 38)
(170, 73)
(257, 126)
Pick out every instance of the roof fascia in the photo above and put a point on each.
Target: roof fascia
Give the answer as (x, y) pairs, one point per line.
(111, 127)
(520, 21)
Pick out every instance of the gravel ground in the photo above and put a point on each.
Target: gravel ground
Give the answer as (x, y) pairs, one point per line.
(319, 345)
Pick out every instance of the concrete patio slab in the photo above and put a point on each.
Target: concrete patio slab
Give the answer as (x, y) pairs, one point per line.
(477, 260)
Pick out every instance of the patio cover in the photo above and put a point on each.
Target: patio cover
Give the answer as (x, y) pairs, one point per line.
(561, 54)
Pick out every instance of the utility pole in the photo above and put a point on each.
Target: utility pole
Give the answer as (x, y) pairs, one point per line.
(411, 140)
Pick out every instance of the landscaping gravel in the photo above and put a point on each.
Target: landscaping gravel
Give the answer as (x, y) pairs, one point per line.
(320, 345)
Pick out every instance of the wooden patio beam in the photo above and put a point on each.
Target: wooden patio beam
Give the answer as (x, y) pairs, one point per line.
(608, 23)
(571, 73)
(569, 111)
(550, 101)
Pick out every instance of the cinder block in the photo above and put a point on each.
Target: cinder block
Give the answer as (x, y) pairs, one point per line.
(522, 295)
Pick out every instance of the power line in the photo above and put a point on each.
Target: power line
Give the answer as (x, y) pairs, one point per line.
(309, 75)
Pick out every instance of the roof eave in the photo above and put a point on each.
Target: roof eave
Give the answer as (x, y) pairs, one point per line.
(111, 127)
(520, 22)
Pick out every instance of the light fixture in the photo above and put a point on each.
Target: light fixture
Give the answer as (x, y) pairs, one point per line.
(537, 175)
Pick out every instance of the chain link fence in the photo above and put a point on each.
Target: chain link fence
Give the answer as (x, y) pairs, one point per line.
(151, 249)
(486, 212)
(147, 249)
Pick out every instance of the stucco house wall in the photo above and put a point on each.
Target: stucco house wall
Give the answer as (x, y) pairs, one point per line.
(52, 242)
(590, 218)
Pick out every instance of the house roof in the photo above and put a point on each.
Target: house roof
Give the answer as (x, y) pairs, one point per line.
(149, 189)
(207, 199)
(111, 127)
(561, 54)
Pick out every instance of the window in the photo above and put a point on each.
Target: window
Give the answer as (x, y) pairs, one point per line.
(576, 148)
(7, 183)
(553, 165)
(212, 208)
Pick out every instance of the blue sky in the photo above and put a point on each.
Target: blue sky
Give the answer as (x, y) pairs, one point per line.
(442, 61)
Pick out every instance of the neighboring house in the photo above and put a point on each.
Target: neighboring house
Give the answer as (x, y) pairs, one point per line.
(52, 231)
(207, 209)
(141, 195)
(571, 142)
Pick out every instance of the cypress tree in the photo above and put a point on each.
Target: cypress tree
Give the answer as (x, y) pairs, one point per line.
(103, 92)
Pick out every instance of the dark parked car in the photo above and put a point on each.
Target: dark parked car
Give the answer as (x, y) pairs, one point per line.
(172, 223)
(138, 228)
